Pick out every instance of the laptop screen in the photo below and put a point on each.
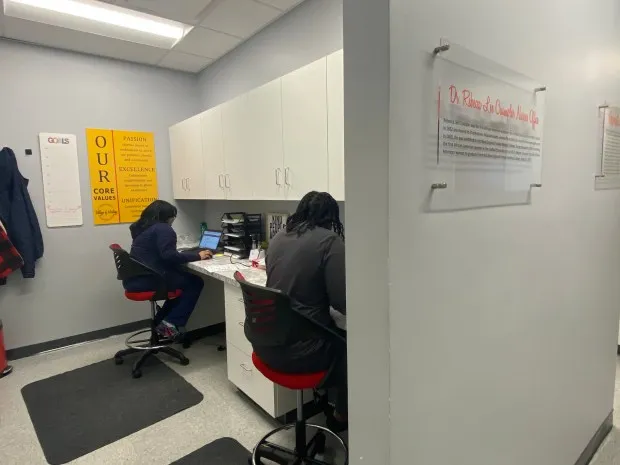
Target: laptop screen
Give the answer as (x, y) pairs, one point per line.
(210, 240)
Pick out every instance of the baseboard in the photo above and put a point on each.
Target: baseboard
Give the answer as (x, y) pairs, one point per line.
(596, 441)
(27, 351)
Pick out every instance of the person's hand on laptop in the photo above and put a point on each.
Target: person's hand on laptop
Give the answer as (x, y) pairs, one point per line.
(205, 254)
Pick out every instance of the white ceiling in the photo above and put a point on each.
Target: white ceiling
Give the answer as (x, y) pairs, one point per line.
(220, 26)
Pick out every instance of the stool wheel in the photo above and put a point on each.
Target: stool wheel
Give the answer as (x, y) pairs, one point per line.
(184, 361)
(118, 360)
(136, 374)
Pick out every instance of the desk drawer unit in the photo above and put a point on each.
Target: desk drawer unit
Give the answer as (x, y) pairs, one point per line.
(275, 400)
(249, 380)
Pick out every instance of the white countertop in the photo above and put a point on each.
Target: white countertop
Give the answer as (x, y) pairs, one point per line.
(221, 268)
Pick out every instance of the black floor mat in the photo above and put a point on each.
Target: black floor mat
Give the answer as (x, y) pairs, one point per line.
(79, 411)
(225, 451)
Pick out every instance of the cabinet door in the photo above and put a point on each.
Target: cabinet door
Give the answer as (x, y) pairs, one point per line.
(304, 121)
(213, 154)
(335, 124)
(238, 153)
(264, 112)
(184, 139)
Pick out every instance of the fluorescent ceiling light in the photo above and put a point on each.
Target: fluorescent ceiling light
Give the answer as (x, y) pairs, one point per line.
(101, 19)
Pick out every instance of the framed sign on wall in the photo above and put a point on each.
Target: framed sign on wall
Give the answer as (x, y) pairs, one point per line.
(275, 223)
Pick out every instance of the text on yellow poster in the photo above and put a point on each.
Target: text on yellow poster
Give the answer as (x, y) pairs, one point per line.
(123, 174)
(103, 191)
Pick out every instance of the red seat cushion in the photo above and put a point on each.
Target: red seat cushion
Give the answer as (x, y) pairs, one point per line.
(297, 381)
(143, 296)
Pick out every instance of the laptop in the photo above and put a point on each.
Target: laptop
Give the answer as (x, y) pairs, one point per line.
(210, 240)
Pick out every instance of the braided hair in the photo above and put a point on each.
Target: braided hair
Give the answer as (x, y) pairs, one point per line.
(316, 209)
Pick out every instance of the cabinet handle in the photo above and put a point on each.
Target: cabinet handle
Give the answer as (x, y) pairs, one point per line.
(286, 173)
(242, 365)
(219, 178)
(277, 176)
(183, 184)
(241, 323)
(189, 184)
(227, 180)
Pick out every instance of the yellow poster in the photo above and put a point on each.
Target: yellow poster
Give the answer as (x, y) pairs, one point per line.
(123, 174)
(136, 172)
(103, 189)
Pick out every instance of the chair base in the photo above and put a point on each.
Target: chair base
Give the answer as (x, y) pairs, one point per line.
(136, 371)
(280, 455)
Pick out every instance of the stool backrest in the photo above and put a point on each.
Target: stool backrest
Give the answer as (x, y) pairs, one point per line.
(126, 266)
(269, 319)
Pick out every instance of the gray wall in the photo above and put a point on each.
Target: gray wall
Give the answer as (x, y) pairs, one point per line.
(366, 128)
(503, 321)
(309, 32)
(45, 90)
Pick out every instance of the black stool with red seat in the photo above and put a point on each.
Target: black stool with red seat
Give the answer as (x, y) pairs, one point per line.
(271, 321)
(127, 268)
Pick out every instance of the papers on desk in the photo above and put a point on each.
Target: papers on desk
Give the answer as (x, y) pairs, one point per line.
(223, 268)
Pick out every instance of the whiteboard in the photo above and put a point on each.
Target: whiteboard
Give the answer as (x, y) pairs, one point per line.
(61, 179)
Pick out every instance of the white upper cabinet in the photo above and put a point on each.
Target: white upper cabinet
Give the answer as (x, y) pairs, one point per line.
(335, 123)
(188, 179)
(264, 111)
(304, 122)
(276, 142)
(213, 153)
(238, 151)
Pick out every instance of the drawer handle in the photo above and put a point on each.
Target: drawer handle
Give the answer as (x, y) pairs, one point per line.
(241, 300)
(245, 367)
(241, 323)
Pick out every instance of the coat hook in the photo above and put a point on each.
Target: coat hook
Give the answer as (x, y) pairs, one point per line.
(540, 89)
(535, 185)
(439, 185)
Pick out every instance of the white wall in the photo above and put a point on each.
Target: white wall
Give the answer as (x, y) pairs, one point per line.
(44, 90)
(503, 321)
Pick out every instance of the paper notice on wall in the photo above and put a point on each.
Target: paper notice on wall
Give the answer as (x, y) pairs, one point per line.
(103, 190)
(136, 172)
(123, 174)
(61, 179)
(608, 176)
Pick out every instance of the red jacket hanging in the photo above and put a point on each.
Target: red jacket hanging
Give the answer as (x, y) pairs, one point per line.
(10, 259)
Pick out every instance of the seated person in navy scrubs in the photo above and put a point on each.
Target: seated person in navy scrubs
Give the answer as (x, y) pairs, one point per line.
(306, 261)
(155, 245)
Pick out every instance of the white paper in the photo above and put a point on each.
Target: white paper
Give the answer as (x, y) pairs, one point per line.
(608, 176)
(61, 179)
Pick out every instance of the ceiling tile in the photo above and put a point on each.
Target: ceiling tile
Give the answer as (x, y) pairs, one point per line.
(241, 18)
(207, 43)
(283, 5)
(184, 62)
(51, 36)
(187, 11)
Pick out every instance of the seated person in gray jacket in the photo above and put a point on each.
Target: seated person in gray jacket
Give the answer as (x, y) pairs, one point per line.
(306, 261)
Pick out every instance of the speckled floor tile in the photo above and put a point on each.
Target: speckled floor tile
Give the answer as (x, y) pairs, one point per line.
(224, 412)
